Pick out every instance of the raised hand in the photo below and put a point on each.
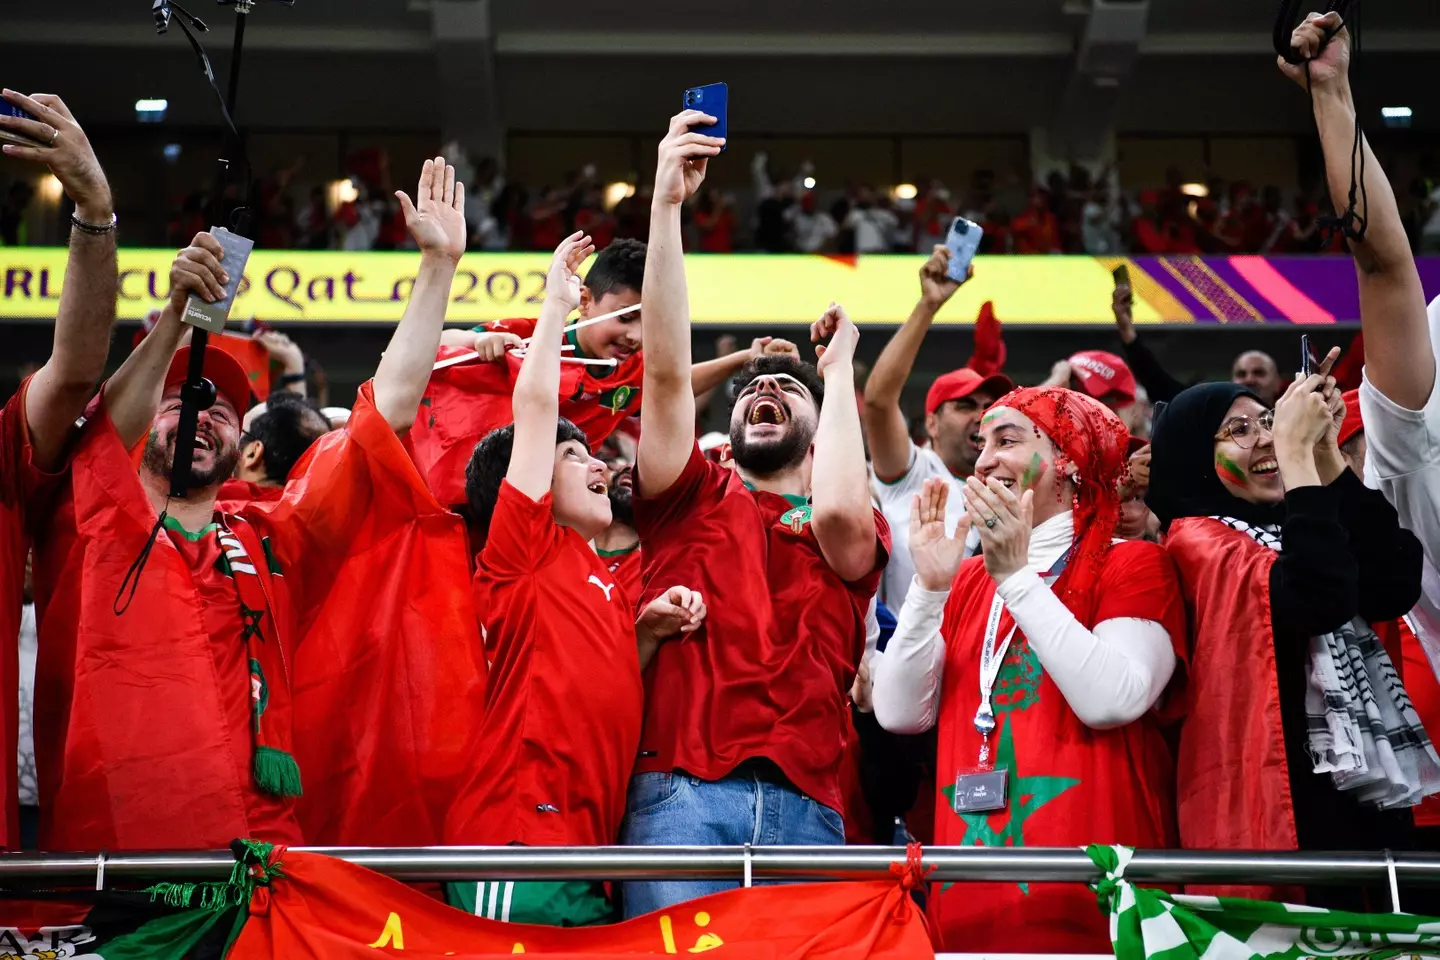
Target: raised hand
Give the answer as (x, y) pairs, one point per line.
(683, 158)
(562, 283)
(197, 270)
(282, 350)
(836, 324)
(1003, 520)
(936, 555)
(1302, 416)
(772, 346)
(1122, 304)
(64, 149)
(936, 287)
(437, 217)
(1332, 65)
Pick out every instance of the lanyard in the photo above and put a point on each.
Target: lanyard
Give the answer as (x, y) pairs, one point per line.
(992, 657)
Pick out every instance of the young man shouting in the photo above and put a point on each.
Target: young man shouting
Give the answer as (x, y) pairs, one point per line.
(747, 717)
(564, 703)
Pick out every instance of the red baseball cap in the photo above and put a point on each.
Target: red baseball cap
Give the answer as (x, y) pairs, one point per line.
(230, 379)
(1352, 424)
(958, 384)
(1103, 374)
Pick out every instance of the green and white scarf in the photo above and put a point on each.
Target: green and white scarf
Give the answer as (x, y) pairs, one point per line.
(1153, 925)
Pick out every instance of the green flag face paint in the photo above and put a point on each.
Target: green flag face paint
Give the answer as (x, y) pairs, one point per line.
(1033, 471)
(1228, 469)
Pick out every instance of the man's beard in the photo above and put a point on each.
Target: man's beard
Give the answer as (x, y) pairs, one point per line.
(772, 456)
(159, 459)
(622, 505)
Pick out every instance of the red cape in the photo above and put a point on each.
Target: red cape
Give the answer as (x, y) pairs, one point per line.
(389, 677)
(14, 545)
(1233, 777)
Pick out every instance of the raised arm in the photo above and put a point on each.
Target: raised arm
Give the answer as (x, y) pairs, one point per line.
(437, 222)
(59, 391)
(667, 419)
(1399, 357)
(840, 510)
(884, 422)
(133, 394)
(709, 375)
(536, 400)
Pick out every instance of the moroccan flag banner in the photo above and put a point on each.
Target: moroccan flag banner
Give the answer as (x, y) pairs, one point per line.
(316, 906)
(1151, 925)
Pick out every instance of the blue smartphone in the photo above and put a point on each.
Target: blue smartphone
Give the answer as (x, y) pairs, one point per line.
(8, 109)
(714, 99)
(963, 240)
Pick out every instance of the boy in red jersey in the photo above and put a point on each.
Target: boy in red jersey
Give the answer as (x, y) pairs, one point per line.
(747, 717)
(564, 704)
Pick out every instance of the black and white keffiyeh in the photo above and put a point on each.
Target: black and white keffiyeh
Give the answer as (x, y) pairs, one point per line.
(1361, 726)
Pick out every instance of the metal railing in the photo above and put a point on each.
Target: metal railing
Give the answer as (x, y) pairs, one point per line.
(954, 864)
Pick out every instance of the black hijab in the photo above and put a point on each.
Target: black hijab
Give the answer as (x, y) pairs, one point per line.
(1183, 482)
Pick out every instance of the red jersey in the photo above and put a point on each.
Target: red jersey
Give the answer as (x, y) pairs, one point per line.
(14, 544)
(463, 403)
(236, 492)
(1068, 783)
(564, 701)
(624, 565)
(769, 672)
(1424, 690)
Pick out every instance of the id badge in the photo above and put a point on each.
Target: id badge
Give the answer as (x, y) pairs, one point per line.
(981, 791)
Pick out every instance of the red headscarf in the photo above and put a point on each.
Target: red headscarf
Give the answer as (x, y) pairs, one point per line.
(1089, 435)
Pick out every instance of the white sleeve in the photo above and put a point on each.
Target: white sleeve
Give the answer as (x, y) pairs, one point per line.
(1109, 677)
(905, 679)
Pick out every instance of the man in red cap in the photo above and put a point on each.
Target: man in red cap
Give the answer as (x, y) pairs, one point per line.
(953, 407)
(167, 635)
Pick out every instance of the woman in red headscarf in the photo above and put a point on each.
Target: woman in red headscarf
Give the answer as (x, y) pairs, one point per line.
(1049, 664)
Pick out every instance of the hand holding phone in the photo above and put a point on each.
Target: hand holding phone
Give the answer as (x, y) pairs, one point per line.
(714, 99)
(963, 241)
(1309, 359)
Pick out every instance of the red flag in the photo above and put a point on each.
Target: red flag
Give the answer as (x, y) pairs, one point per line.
(321, 907)
(389, 674)
(989, 356)
(464, 402)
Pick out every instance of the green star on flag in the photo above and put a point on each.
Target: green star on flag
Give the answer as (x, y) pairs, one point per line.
(1025, 795)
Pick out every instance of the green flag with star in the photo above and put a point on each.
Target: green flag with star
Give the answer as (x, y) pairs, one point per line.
(1152, 925)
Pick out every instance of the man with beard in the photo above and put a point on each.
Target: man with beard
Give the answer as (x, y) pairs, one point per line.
(36, 423)
(953, 407)
(167, 639)
(618, 545)
(746, 718)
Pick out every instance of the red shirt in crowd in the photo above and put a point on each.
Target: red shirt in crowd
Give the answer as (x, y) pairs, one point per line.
(768, 673)
(564, 703)
(1036, 231)
(14, 468)
(717, 230)
(625, 565)
(1069, 784)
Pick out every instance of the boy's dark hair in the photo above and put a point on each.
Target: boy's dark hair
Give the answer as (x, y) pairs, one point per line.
(620, 265)
(779, 363)
(491, 461)
(287, 428)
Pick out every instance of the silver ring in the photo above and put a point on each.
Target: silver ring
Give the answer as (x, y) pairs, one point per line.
(990, 522)
(54, 138)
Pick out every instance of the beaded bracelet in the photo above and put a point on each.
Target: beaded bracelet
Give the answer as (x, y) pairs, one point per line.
(94, 229)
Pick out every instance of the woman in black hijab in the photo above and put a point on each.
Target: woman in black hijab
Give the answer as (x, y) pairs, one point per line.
(1284, 556)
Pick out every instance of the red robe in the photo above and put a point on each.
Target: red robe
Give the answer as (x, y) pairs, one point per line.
(465, 402)
(1069, 785)
(1233, 779)
(234, 492)
(389, 677)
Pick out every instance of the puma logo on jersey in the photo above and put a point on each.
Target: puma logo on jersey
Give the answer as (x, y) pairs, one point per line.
(604, 587)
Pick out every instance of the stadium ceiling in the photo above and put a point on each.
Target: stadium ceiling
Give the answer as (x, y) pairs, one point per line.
(757, 28)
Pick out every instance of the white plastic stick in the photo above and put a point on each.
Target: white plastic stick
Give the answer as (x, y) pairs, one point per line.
(604, 316)
(472, 355)
(585, 360)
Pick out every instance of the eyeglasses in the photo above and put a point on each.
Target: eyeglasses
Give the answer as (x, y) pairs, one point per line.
(1245, 431)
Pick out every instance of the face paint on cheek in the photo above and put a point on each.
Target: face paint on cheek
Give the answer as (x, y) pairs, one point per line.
(1032, 473)
(1230, 470)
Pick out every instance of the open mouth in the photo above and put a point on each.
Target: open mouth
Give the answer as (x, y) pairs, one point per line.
(202, 443)
(625, 481)
(598, 487)
(1265, 468)
(766, 410)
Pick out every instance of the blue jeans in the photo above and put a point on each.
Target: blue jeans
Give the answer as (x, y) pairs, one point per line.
(676, 810)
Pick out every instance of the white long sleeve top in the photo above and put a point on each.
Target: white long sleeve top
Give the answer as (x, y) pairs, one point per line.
(1109, 676)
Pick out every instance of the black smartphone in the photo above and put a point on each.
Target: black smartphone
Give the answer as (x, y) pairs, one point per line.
(1309, 359)
(1122, 275)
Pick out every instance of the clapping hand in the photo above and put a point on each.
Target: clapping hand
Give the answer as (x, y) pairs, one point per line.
(935, 554)
(1003, 520)
(437, 217)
